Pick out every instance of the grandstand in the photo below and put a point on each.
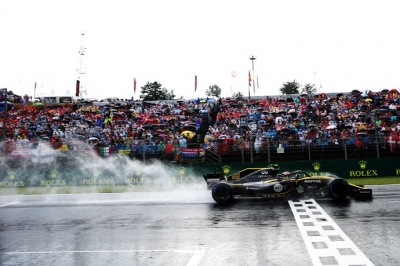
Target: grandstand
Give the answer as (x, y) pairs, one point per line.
(303, 127)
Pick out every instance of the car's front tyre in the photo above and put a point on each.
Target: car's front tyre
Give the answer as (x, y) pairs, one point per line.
(222, 193)
(339, 189)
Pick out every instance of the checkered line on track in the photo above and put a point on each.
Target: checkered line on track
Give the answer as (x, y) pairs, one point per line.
(326, 243)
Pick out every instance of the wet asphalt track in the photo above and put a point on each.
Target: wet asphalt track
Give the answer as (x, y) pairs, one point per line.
(184, 228)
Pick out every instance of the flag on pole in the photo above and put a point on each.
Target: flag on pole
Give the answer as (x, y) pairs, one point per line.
(134, 85)
(234, 74)
(195, 83)
(249, 79)
(34, 88)
(77, 88)
(257, 83)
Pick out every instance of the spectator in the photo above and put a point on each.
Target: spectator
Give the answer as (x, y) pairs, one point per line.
(182, 142)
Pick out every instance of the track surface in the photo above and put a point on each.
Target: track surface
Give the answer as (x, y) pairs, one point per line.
(186, 227)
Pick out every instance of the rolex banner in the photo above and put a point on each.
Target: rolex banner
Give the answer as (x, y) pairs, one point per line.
(105, 176)
(190, 155)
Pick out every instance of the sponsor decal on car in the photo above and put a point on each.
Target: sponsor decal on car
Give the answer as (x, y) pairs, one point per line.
(253, 183)
(313, 181)
(278, 188)
(253, 188)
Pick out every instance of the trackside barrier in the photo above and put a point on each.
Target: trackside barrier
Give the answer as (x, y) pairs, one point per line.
(101, 175)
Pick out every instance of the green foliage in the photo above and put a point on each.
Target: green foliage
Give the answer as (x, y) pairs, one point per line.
(213, 90)
(291, 87)
(237, 95)
(153, 91)
(309, 89)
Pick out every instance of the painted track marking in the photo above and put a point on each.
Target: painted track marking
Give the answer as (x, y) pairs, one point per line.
(194, 260)
(326, 243)
(8, 204)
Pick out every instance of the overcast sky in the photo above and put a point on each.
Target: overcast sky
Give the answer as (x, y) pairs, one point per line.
(340, 45)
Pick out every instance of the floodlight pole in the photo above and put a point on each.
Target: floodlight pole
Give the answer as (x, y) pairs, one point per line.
(81, 52)
(252, 58)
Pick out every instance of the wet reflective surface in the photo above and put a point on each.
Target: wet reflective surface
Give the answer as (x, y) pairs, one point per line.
(183, 228)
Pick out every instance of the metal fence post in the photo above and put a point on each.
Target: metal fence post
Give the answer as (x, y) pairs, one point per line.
(251, 150)
(268, 151)
(144, 152)
(376, 139)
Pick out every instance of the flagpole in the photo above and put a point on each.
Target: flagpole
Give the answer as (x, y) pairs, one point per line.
(34, 92)
(249, 77)
(134, 86)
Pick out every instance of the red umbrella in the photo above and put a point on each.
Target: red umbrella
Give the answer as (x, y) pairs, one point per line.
(394, 91)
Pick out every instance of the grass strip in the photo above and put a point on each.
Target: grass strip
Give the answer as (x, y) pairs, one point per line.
(374, 180)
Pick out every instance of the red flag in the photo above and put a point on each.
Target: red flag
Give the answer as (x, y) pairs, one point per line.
(223, 148)
(134, 85)
(77, 88)
(195, 83)
(249, 79)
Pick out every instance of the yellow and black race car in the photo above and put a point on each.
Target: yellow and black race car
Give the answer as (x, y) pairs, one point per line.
(267, 183)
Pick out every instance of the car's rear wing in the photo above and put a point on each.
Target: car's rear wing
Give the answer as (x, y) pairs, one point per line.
(213, 178)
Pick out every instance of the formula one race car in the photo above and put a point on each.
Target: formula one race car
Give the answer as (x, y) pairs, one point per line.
(267, 183)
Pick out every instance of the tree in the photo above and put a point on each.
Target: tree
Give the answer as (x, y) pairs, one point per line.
(237, 95)
(213, 90)
(170, 95)
(309, 89)
(153, 91)
(291, 87)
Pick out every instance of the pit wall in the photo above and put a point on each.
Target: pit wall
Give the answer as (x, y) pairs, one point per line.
(181, 174)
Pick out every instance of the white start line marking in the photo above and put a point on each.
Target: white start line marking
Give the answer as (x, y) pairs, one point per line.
(326, 243)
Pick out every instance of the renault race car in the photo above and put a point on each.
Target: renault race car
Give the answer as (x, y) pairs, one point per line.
(267, 183)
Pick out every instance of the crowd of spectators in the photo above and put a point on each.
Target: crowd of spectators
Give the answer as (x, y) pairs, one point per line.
(159, 126)
(123, 125)
(321, 119)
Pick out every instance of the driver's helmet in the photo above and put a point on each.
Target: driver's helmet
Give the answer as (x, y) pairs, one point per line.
(286, 173)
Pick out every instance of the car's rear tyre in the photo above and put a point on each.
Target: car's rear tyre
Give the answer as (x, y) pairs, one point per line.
(339, 189)
(222, 193)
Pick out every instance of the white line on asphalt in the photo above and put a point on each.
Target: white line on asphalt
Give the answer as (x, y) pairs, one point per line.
(194, 260)
(8, 204)
(326, 243)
